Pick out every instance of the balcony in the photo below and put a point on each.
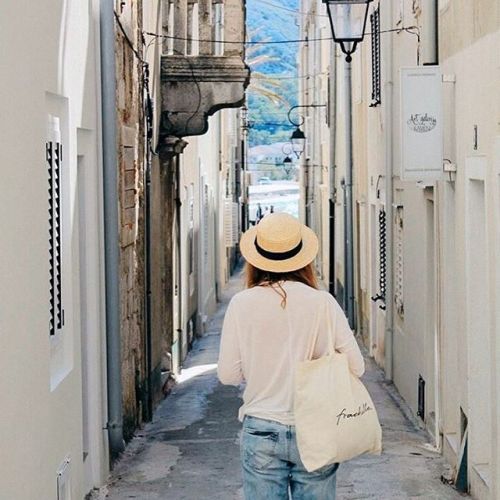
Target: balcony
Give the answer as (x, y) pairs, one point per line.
(202, 65)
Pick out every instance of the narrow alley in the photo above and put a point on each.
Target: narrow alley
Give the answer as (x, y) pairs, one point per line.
(145, 145)
(190, 449)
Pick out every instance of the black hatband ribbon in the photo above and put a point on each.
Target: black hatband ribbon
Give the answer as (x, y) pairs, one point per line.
(278, 255)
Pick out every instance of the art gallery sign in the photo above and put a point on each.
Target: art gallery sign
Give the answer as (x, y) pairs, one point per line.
(421, 123)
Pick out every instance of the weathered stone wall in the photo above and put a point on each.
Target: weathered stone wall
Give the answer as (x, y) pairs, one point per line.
(131, 164)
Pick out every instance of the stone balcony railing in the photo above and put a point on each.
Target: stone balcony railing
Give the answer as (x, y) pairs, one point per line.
(203, 67)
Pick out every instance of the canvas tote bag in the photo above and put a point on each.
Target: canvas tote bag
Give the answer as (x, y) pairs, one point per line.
(335, 418)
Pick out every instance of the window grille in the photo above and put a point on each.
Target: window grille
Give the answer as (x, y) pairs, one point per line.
(54, 157)
(375, 36)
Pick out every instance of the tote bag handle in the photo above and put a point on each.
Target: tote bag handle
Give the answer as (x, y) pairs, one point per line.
(329, 330)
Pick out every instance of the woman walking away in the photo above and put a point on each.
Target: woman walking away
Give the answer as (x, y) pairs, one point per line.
(268, 329)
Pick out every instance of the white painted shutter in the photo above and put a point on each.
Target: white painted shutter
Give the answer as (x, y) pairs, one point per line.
(230, 222)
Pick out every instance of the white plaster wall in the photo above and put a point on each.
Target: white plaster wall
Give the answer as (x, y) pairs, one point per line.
(464, 372)
(213, 164)
(52, 48)
(440, 336)
(476, 66)
(205, 165)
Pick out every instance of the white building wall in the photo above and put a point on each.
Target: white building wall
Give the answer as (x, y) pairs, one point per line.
(208, 188)
(446, 233)
(43, 421)
(208, 165)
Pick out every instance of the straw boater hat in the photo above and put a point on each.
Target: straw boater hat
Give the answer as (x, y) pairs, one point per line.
(279, 243)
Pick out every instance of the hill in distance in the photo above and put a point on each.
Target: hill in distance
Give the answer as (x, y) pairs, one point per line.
(272, 20)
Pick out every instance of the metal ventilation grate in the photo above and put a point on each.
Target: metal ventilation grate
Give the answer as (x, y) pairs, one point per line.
(376, 78)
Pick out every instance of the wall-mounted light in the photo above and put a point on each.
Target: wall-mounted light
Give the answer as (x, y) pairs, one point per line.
(298, 138)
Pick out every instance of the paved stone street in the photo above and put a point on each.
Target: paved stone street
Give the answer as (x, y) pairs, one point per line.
(190, 451)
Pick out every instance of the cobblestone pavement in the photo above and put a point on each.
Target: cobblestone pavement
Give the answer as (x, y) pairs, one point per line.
(190, 450)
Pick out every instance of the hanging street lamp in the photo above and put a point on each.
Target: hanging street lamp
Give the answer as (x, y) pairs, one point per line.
(348, 23)
(287, 149)
(298, 140)
(287, 162)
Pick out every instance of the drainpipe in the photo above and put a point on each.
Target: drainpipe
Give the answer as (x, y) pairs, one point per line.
(111, 223)
(219, 246)
(333, 128)
(430, 57)
(389, 130)
(349, 222)
(148, 281)
(430, 32)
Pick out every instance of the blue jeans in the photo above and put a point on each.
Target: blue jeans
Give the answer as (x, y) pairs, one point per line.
(272, 468)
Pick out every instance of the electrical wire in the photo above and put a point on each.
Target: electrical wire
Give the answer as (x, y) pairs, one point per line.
(409, 29)
(253, 123)
(127, 39)
(297, 12)
(145, 75)
(296, 77)
(148, 107)
(277, 165)
(414, 30)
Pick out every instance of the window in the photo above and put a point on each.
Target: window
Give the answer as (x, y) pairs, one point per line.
(375, 36)
(54, 158)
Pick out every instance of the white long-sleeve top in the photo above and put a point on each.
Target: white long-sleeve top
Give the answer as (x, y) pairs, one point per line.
(262, 343)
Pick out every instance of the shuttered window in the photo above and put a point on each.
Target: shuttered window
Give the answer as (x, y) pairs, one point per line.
(54, 158)
(375, 38)
(231, 212)
(399, 263)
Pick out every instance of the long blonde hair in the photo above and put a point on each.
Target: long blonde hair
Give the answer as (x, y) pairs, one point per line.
(258, 277)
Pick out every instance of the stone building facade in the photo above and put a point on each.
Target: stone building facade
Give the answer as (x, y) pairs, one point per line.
(167, 88)
(131, 156)
(198, 80)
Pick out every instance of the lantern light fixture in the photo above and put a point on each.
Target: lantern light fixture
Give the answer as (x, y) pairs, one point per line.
(348, 23)
(298, 140)
(287, 151)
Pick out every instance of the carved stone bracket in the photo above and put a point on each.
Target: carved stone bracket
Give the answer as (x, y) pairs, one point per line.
(169, 147)
(193, 88)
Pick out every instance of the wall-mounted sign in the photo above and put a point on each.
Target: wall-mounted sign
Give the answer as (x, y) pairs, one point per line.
(421, 123)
